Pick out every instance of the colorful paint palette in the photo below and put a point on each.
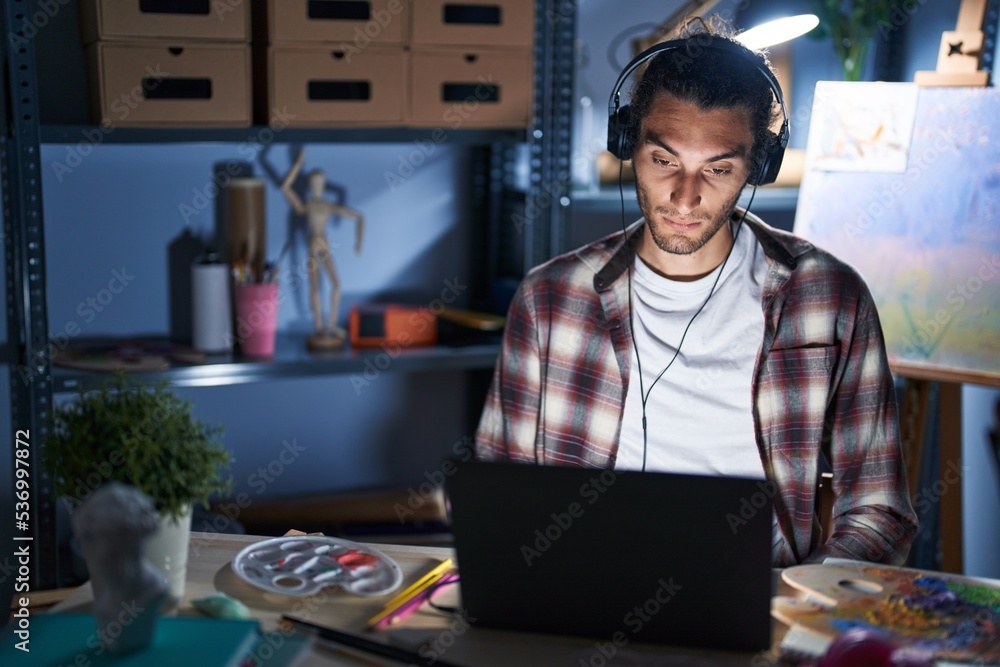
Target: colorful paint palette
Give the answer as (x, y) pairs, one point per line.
(302, 565)
(950, 616)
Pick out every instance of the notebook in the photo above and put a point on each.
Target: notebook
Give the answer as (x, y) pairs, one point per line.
(72, 639)
(620, 556)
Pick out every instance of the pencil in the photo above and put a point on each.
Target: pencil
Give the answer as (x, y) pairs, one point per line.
(415, 602)
(374, 647)
(411, 591)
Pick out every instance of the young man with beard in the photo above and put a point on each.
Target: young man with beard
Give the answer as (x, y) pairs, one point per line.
(702, 340)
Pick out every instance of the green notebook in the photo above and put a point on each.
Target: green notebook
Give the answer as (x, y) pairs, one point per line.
(65, 640)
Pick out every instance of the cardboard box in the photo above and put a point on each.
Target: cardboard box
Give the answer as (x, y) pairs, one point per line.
(454, 88)
(330, 87)
(145, 20)
(149, 83)
(351, 22)
(500, 23)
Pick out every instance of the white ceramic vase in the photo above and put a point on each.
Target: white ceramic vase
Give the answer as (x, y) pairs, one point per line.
(167, 550)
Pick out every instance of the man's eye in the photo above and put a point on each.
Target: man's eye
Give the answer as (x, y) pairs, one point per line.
(663, 162)
(718, 171)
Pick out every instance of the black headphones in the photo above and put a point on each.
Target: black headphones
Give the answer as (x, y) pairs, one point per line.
(619, 117)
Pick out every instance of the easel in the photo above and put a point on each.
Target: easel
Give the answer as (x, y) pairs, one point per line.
(958, 63)
(913, 431)
(961, 51)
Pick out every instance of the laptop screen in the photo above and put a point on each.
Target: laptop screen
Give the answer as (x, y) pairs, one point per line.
(651, 557)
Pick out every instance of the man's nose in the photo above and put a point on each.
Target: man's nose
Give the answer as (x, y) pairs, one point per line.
(686, 196)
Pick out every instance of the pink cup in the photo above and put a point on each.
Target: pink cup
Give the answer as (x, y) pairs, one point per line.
(256, 318)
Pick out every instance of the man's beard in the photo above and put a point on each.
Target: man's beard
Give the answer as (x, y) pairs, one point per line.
(675, 243)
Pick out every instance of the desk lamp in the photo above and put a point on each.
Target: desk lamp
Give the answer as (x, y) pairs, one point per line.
(777, 31)
(761, 36)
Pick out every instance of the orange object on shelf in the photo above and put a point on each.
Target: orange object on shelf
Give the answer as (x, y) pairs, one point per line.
(375, 325)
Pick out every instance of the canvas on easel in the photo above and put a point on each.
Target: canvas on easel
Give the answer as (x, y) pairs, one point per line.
(925, 238)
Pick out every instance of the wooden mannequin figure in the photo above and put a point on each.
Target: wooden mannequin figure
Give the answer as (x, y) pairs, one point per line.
(318, 211)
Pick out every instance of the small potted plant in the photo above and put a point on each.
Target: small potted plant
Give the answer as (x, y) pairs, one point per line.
(851, 25)
(144, 436)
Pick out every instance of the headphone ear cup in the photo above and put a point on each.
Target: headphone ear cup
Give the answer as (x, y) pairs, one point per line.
(770, 165)
(619, 127)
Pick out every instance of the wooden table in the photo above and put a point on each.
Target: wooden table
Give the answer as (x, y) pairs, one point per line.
(451, 638)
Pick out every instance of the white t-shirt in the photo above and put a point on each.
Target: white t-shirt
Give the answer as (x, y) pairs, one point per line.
(698, 415)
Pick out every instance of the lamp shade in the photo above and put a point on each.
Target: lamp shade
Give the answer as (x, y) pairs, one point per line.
(777, 31)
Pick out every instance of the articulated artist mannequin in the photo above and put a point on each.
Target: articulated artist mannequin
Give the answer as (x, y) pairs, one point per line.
(318, 211)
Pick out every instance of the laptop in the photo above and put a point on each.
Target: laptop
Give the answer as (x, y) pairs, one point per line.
(622, 556)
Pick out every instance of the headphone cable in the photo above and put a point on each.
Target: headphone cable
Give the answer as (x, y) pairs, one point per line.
(643, 394)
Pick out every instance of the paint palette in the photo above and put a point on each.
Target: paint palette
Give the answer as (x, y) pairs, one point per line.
(951, 616)
(303, 565)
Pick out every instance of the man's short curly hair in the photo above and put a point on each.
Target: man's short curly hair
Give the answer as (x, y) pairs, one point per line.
(712, 78)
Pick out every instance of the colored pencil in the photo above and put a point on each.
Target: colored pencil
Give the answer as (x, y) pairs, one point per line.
(415, 602)
(414, 589)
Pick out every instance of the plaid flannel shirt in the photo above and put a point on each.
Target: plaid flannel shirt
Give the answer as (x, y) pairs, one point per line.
(821, 388)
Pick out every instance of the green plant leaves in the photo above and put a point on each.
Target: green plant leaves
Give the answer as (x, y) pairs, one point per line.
(850, 25)
(139, 435)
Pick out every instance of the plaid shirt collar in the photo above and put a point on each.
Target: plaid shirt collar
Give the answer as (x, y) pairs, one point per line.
(780, 248)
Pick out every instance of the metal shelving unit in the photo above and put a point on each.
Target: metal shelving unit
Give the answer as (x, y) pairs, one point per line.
(539, 217)
(96, 134)
(292, 360)
(27, 316)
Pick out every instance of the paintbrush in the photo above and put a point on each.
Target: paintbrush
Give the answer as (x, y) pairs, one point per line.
(272, 273)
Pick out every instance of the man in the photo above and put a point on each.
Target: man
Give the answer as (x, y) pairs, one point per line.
(760, 355)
